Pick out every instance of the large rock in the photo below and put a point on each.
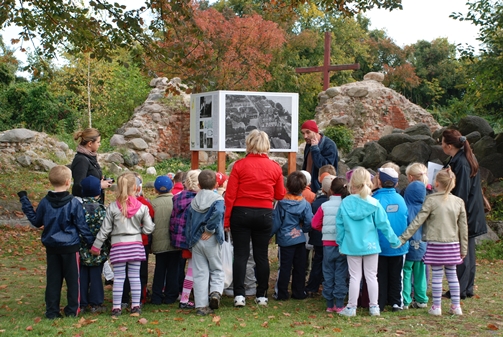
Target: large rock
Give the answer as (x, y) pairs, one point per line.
(17, 136)
(484, 147)
(469, 124)
(473, 137)
(407, 153)
(137, 144)
(374, 156)
(494, 163)
(117, 140)
(427, 139)
(390, 141)
(437, 155)
(131, 158)
(418, 129)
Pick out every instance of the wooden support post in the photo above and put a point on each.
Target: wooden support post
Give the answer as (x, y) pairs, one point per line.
(194, 160)
(221, 162)
(292, 162)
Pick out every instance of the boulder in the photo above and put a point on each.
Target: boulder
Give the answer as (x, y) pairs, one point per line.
(418, 129)
(24, 160)
(469, 124)
(374, 76)
(133, 133)
(374, 156)
(494, 163)
(117, 140)
(484, 147)
(390, 141)
(427, 139)
(115, 157)
(473, 137)
(437, 155)
(137, 144)
(407, 153)
(357, 92)
(151, 171)
(131, 158)
(148, 159)
(43, 164)
(490, 235)
(499, 142)
(332, 92)
(17, 136)
(355, 157)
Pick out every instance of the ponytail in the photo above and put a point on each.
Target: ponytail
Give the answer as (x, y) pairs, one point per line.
(126, 184)
(447, 179)
(454, 138)
(360, 182)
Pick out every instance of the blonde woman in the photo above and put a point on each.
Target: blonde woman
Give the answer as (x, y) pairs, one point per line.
(357, 221)
(254, 183)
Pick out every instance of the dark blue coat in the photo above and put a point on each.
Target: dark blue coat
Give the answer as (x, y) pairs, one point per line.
(322, 154)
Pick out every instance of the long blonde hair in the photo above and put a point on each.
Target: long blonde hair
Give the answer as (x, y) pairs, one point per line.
(446, 179)
(418, 172)
(360, 182)
(126, 187)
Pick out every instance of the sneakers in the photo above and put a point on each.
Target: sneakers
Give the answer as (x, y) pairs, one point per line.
(188, 305)
(116, 312)
(418, 305)
(375, 310)
(262, 301)
(239, 301)
(203, 311)
(406, 307)
(135, 311)
(436, 311)
(215, 300)
(455, 310)
(347, 311)
(396, 307)
(124, 306)
(97, 309)
(335, 309)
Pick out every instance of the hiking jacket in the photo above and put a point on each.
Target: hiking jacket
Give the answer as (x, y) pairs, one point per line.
(291, 219)
(414, 198)
(178, 221)
(82, 167)
(95, 214)
(205, 214)
(161, 238)
(322, 154)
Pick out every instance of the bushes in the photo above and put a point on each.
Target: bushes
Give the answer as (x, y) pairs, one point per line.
(342, 136)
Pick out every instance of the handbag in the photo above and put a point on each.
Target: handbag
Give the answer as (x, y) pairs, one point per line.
(227, 259)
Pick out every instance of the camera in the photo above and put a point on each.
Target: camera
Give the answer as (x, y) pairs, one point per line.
(112, 180)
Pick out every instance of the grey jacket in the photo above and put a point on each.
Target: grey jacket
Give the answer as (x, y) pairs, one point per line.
(122, 229)
(161, 239)
(444, 220)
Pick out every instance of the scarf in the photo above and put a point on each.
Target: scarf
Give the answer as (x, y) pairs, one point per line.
(82, 149)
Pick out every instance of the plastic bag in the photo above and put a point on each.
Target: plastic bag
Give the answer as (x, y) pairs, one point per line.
(227, 258)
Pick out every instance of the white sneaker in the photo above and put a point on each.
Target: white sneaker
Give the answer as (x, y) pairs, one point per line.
(375, 310)
(239, 301)
(436, 311)
(260, 301)
(349, 312)
(421, 305)
(456, 311)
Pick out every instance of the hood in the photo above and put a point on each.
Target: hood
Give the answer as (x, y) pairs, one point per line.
(358, 208)
(59, 199)
(204, 199)
(414, 197)
(292, 206)
(133, 205)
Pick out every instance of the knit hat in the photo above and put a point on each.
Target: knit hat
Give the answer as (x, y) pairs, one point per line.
(91, 186)
(310, 125)
(163, 184)
(388, 174)
(326, 183)
(221, 178)
(170, 175)
(308, 177)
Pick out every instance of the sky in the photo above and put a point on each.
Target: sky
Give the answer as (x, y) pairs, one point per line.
(425, 20)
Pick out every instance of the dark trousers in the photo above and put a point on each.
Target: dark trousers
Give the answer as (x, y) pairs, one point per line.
(181, 273)
(126, 292)
(316, 274)
(91, 286)
(255, 224)
(292, 261)
(59, 267)
(165, 285)
(389, 276)
(466, 271)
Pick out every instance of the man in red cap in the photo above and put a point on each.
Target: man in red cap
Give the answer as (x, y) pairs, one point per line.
(320, 150)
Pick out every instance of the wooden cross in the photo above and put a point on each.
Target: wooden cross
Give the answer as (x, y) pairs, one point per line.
(327, 68)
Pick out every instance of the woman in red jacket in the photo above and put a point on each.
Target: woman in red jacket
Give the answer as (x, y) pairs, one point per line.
(254, 183)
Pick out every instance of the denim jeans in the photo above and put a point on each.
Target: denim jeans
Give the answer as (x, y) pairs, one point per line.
(335, 274)
(254, 223)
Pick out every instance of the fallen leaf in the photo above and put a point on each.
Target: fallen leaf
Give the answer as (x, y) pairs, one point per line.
(142, 320)
(3, 286)
(312, 316)
(336, 330)
(492, 327)
(37, 319)
(179, 319)
(287, 314)
(216, 320)
(154, 322)
(29, 328)
(299, 332)
(400, 332)
(123, 328)
(265, 324)
(242, 324)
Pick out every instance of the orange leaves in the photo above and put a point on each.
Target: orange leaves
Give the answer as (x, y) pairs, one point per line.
(83, 322)
(492, 327)
(143, 321)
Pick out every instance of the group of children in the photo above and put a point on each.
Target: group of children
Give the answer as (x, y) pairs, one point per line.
(366, 229)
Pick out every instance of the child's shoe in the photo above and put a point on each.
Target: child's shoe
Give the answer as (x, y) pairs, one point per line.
(239, 301)
(455, 310)
(347, 311)
(215, 300)
(436, 311)
(135, 311)
(188, 305)
(375, 310)
(203, 311)
(262, 301)
(116, 312)
(418, 305)
(396, 307)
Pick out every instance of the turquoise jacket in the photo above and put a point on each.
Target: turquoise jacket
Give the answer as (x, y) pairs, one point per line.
(357, 222)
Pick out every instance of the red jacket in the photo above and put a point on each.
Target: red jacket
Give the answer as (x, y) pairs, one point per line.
(255, 181)
(147, 203)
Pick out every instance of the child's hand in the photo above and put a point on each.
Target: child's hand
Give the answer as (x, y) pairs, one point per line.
(21, 194)
(463, 257)
(95, 251)
(206, 236)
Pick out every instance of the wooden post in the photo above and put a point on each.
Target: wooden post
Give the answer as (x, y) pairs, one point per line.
(292, 162)
(194, 160)
(221, 162)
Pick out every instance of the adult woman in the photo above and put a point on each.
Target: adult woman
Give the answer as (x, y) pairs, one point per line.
(465, 166)
(254, 183)
(85, 163)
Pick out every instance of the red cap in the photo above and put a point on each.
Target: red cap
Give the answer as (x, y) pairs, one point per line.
(221, 178)
(310, 125)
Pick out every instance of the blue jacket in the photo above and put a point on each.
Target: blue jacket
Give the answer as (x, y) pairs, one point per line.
(291, 219)
(322, 154)
(357, 222)
(205, 214)
(396, 209)
(315, 236)
(414, 198)
(63, 219)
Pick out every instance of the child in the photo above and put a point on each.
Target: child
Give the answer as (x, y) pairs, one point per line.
(205, 235)
(63, 219)
(178, 221)
(357, 221)
(389, 271)
(91, 267)
(167, 257)
(322, 173)
(417, 172)
(307, 193)
(335, 265)
(291, 217)
(177, 183)
(446, 231)
(414, 266)
(126, 220)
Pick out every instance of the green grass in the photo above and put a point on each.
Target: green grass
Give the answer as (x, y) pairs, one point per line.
(22, 284)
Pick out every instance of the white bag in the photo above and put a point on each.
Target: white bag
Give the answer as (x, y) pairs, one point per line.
(227, 257)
